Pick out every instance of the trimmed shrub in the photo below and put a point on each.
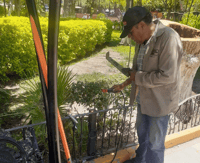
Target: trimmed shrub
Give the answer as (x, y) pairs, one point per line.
(70, 18)
(89, 94)
(109, 30)
(76, 37)
(17, 49)
(101, 17)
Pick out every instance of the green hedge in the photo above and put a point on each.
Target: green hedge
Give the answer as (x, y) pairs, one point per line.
(76, 37)
(17, 52)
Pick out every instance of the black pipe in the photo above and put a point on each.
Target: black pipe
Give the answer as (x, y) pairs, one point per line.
(33, 13)
(54, 15)
(91, 146)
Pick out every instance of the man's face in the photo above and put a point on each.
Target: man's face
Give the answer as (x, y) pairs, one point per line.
(137, 34)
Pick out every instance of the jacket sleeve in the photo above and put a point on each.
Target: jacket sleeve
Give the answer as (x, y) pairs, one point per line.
(167, 66)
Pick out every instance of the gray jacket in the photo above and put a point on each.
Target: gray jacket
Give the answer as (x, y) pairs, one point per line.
(160, 79)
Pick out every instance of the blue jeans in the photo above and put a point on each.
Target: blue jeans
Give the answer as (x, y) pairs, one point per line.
(151, 136)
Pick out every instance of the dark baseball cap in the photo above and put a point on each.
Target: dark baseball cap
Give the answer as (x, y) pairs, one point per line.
(132, 17)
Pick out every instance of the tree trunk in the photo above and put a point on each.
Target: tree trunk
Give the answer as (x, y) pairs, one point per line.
(72, 8)
(17, 7)
(92, 8)
(65, 8)
(109, 8)
(10, 8)
(127, 4)
(4, 2)
(132, 3)
(88, 7)
(115, 9)
(181, 5)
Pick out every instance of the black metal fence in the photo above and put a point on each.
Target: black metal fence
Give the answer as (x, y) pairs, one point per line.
(187, 115)
(99, 132)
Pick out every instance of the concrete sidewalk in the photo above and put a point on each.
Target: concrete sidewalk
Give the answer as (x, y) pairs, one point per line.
(188, 152)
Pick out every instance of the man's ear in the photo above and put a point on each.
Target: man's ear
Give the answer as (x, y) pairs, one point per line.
(142, 24)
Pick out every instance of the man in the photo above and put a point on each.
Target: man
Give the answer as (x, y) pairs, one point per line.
(156, 72)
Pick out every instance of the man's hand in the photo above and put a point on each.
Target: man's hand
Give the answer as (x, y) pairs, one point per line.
(132, 75)
(117, 88)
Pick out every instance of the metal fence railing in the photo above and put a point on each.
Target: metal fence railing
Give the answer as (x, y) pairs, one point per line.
(100, 132)
(187, 115)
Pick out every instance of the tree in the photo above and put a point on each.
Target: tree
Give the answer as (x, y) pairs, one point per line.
(17, 7)
(65, 8)
(69, 8)
(4, 2)
(128, 4)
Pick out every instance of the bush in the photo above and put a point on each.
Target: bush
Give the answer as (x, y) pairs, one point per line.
(87, 91)
(33, 105)
(70, 18)
(109, 25)
(193, 20)
(101, 16)
(89, 94)
(116, 36)
(117, 25)
(17, 49)
(76, 37)
(33, 99)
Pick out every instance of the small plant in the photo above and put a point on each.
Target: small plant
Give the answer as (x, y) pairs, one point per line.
(117, 25)
(101, 16)
(89, 94)
(33, 100)
(8, 117)
(4, 101)
(87, 90)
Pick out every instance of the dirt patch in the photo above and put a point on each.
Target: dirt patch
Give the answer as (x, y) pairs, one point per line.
(97, 63)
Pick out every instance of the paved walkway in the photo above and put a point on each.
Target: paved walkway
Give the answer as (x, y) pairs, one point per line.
(188, 152)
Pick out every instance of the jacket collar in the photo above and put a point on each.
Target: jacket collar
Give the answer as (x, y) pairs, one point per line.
(160, 29)
(159, 32)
